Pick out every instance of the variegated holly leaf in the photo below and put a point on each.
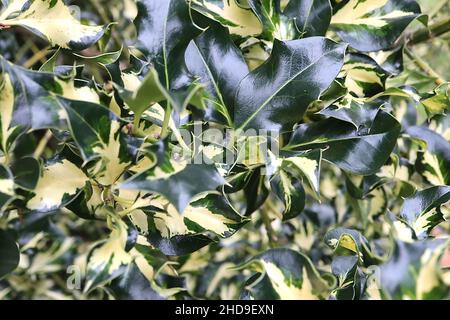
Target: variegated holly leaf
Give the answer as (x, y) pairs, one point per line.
(269, 19)
(275, 24)
(141, 279)
(108, 259)
(12, 7)
(97, 132)
(335, 92)
(103, 59)
(7, 186)
(304, 165)
(28, 103)
(174, 178)
(220, 66)
(286, 275)
(277, 94)
(9, 253)
(373, 25)
(53, 192)
(25, 101)
(291, 169)
(438, 102)
(53, 21)
(176, 234)
(180, 245)
(421, 212)
(363, 76)
(413, 271)
(255, 184)
(350, 279)
(349, 241)
(391, 60)
(164, 30)
(133, 285)
(290, 191)
(141, 94)
(156, 266)
(237, 16)
(360, 113)
(361, 151)
(435, 162)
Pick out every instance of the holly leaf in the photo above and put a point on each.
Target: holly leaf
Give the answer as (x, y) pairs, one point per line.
(108, 259)
(53, 21)
(9, 253)
(220, 66)
(239, 19)
(284, 274)
(312, 17)
(277, 94)
(412, 271)
(52, 192)
(26, 102)
(436, 157)
(97, 132)
(7, 186)
(350, 149)
(164, 30)
(373, 25)
(176, 234)
(179, 188)
(421, 213)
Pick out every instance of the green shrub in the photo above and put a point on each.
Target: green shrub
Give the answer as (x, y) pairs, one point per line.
(209, 149)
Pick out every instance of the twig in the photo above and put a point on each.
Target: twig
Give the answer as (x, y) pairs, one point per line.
(38, 56)
(424, 66)
(43, 144)
(435, 30)
(268, 225)
(165, 125)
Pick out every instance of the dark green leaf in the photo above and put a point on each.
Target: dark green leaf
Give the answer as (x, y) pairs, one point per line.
(361, 151)
(220, 66)
(164, 30)
(373, 25)
(277, 94)
(9, 254)
(420, 212)
(312, 17)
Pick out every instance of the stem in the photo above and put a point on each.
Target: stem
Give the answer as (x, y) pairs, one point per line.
(267, 224)
(136, 122)
(424, 66)
(165, 126)
(38, 56)
(42, 144)
(436, 29)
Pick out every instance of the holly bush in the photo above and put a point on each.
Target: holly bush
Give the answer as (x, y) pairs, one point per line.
(224, 149)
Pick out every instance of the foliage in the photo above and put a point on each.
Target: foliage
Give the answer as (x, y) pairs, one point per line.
(114, 184)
